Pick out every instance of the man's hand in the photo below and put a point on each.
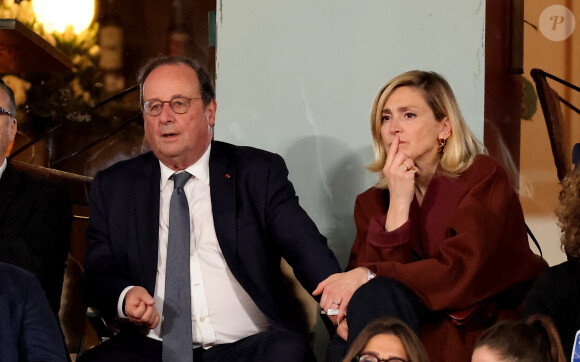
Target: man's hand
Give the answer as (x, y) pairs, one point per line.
(337, 290)
(140, 308)
(342, 329)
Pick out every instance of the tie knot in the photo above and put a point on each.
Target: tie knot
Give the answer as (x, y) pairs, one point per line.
(180, 179)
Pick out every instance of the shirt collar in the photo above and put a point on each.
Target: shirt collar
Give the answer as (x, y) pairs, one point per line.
(3, 167)
(200, 169)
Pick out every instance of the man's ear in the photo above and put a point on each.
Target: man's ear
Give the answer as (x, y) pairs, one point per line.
(13, 129)
(210, 112)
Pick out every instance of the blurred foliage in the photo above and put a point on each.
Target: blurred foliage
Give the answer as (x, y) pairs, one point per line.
(56, 95)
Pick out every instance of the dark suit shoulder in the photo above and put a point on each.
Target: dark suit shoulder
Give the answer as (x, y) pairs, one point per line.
(28, 331)
(562, 276)
(27, 188)
(14, 283)
(245, 160)
(24, 180)
(485, 168)
(14, 277)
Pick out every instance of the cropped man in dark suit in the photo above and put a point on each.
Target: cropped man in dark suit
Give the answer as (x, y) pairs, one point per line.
(28, 328)
(245, 216)
(35, 215)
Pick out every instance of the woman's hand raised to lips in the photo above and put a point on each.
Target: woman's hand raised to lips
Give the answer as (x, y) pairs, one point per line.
(400, 172)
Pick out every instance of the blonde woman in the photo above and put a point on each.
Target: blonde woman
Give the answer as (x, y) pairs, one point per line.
(443, 230)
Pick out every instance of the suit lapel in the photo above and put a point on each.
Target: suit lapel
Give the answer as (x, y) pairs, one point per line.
(146, 196)
(8, 188)
(222, 180)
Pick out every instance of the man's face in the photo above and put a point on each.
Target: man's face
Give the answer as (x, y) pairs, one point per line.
(178, 140)
(7, 125)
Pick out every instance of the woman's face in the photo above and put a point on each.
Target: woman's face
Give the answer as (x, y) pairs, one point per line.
(486, 354)
(405, 113)
(385, 346)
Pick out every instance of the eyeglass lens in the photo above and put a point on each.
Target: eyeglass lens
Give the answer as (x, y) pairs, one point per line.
(6, 112)
(371, 358)
(154, 107)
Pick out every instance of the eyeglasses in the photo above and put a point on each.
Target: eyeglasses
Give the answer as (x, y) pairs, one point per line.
(6, 112)
(179, 105)
(366, 357)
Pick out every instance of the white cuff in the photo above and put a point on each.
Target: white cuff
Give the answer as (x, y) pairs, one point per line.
(120, 313)
(371, 274)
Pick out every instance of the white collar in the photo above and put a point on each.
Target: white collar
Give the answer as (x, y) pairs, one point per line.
(200, 169)
(3, 167)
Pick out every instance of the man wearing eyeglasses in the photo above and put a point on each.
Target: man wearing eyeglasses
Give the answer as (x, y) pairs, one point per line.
(242, 217)
(35, 214)
(8, 123)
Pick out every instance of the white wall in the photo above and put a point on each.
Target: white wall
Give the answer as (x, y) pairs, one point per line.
(298, 77)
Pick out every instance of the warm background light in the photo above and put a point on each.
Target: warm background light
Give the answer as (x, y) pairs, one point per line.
(56, 15)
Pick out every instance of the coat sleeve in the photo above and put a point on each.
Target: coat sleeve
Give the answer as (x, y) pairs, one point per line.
(370, 217)
(40, 338)
(298, 238)
(484, 251)
(361, 219)
(42, 241)
(102, 285)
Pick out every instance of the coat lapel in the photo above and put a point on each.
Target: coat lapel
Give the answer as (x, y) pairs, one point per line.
(8, 188)
(222, 180)
(146, 196)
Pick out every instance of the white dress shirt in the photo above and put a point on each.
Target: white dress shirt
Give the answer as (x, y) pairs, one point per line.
(221, 310)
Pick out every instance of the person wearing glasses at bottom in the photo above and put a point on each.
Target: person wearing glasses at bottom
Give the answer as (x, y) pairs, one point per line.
(387, 339)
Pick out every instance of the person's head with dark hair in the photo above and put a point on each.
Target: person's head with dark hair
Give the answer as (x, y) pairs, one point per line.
(533, 340)
(568, 213)
(206, 88)
(179, 106)
(8, 124)
(387, 339)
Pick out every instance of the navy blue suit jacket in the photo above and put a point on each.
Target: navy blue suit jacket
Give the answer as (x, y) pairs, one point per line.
(257, 220)
(35, 223)
(28, 329)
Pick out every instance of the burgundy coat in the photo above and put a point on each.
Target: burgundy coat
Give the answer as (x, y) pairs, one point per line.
(464, 252)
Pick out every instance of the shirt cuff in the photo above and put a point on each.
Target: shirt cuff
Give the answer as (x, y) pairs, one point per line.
(120, 313)
(371, 275)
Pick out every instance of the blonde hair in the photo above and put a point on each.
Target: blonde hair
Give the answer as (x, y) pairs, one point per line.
(461, 147)
(568, 213)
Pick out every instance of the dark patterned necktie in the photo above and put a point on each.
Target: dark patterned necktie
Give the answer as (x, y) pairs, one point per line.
(177, 333)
